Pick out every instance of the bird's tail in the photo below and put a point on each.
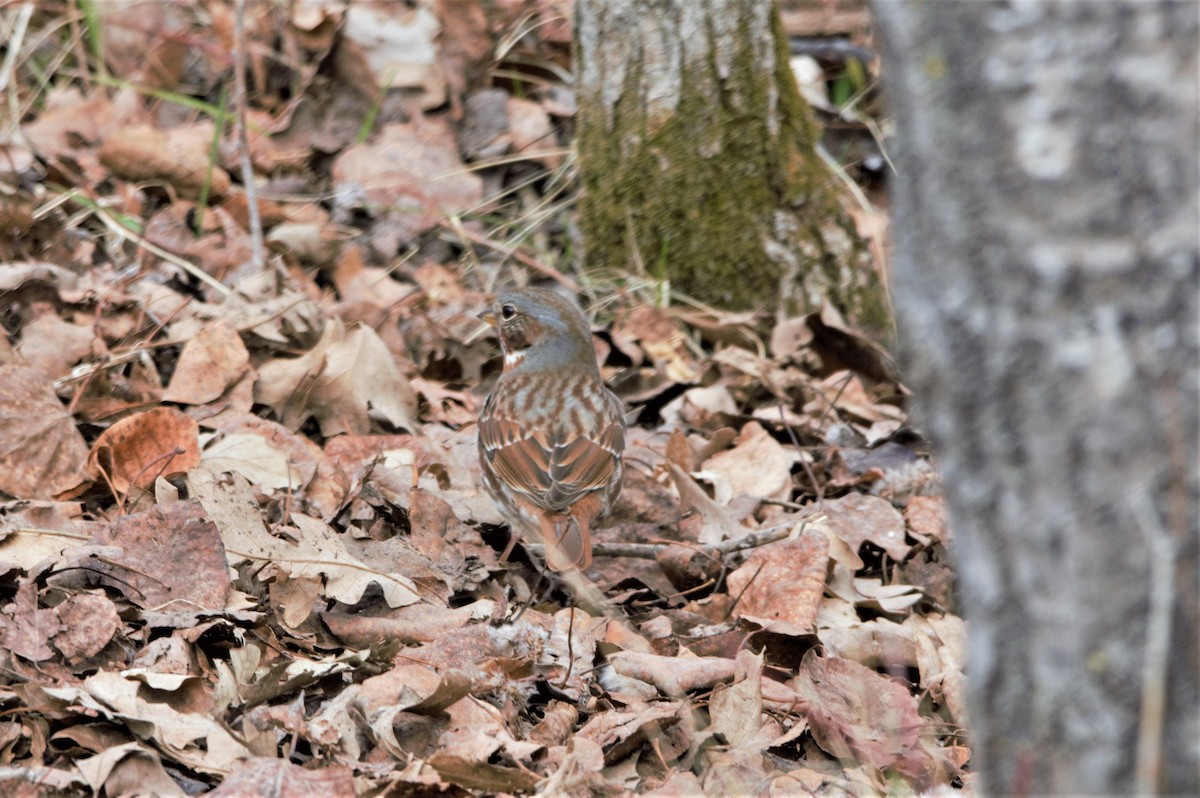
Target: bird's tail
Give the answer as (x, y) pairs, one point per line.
(568, 541)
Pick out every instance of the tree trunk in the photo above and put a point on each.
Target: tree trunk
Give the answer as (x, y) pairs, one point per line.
(1046, 277)
(696, 154)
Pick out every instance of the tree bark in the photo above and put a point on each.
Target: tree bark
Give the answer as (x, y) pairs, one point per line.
(697, 161)
(1046, 276)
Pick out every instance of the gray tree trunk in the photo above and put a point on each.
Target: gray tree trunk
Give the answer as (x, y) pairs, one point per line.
(697, 161)
(1046, 280)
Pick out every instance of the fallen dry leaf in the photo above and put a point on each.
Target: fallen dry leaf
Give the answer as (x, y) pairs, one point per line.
(140, 448)
(780, 585)
(757, 465)
(42, 454)
(209, 363)
(152, 543)
(340, 381)
(28, 630)
(858, 714)
(318, 550)
(858, 518)
(267, 778)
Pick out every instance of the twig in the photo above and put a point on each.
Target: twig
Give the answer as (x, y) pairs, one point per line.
(190, 268)
(818, 489)
(85, 372)
(1157, 649)
(10, 62)
(257, 252)
(541, 268)
(649, 551)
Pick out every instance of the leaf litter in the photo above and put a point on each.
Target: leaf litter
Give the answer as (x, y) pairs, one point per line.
(244, 549)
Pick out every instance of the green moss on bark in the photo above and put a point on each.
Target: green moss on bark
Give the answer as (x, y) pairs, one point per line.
(725, 196)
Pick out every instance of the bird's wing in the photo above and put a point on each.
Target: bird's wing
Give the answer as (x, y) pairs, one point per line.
(520, 459)
(585, 463)
(552, 468)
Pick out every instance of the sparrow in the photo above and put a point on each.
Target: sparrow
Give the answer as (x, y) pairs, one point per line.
(550, 432)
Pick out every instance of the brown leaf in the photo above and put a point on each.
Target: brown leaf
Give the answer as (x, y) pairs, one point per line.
(652, 330)
(42, 454)
(414, 169)
(27, 629)
(718, 523)
(857, 714)
(673, 676)
(156, 545)
(346, 375)
(781, 584)
(272, 778)
(318, 550)
(413, 687)
(209, 363)
(757, 466)
(620, 733)
(139, 449)
(89, 621)
(858, 518)
(179, 157)
(417, 623)
(52, 345)
(926, 517)
(736, 709)
(126, 769)
(488, 778)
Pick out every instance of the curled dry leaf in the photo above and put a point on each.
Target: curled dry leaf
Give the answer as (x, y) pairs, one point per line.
(620, 733)
(673, 676)
(413, 687)
(926, 517)
(137, 450)
(133, 767)
(190, 737)
(660, 337)
(717, 522)
(42, 453)
(416, 623)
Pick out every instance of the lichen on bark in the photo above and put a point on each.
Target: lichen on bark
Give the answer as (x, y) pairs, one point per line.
(697, 159)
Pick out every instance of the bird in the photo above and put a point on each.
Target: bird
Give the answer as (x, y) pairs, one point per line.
(551, 433)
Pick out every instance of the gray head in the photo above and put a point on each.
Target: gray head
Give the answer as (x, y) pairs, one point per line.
(539, 328)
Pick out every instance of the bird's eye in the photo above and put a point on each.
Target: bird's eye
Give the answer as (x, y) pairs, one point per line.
(507, 312)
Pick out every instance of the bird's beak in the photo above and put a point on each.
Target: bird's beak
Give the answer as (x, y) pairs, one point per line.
(486, 316)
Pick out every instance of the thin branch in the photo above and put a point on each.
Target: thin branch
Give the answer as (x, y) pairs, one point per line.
(258, 253)
(650, 551)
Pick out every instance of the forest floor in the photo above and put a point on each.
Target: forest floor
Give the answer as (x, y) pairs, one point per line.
(246, 551)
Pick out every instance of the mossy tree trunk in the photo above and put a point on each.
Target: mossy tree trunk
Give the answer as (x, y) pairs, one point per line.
(697, 160)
